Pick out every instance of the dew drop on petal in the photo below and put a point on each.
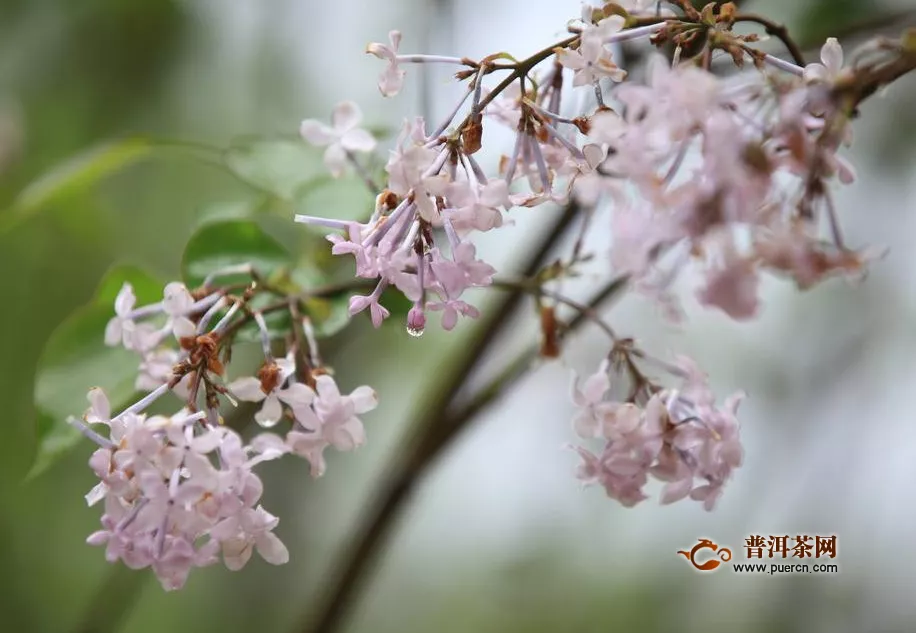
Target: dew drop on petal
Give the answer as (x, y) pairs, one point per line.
(415, 332)
(267, 423)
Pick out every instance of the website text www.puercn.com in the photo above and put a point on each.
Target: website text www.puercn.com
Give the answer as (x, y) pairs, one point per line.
(785, 568)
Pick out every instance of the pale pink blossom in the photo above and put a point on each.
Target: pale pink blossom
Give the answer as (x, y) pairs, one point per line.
(342, 138)
(119, 329)
(592, 61)
(831, 65)
(392, 77)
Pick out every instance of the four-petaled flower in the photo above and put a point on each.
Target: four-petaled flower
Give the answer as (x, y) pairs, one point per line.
(341, 138)
(392, 78)
(591, 62)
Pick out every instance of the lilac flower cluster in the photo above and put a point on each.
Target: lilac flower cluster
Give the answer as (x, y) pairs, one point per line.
(678, 436)
(180, 490)
(731, 171)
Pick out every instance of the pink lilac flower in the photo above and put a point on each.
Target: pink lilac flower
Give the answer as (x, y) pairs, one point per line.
(831, 65)
(119, 329)
(343, 137)
(678, 436)
(392, 78)
(592, 61)
(295, 395)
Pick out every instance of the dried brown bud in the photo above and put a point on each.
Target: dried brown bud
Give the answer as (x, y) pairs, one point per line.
(472, 135)
(584, 123)
(612, 8)
(542, 135)
(727, 13)
(756, 158)
(388, 199)
(269, 375)
(550, 334)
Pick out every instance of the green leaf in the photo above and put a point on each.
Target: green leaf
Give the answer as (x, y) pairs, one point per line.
(346, 198)
(147, 288)
(279, 166)
(396, 303)
(231, 210)
(278, 324)
(75, 174)
(75, 358)
(221, 244)
(329, 315)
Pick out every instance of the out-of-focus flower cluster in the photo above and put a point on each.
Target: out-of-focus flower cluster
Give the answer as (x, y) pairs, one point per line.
(678, 436)
(179, 490)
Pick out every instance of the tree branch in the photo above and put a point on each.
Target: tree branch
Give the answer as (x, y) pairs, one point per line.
(777, 30)
(430, 436)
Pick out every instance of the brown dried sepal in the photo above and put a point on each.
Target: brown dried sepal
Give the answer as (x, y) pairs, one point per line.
(472, 134)
(550, 333)
(755, 157)
(584, 123)
(269, 375)
(727, 13)
(204, 350)
(387, 200)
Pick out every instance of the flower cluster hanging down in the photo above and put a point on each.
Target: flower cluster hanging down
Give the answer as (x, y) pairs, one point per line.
(720, 159)
(180, 490)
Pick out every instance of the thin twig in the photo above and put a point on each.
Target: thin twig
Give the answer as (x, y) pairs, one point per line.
(429, 436)
(778, 30)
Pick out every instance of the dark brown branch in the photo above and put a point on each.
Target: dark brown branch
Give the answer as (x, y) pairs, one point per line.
(777, 30)
(431, 435)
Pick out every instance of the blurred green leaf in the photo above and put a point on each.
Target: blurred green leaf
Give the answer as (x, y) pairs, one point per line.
(75, 174)
(345, 198)
(231, 210)
(329, 315)
(75, 359)
(278, 325)
(825, 18)
(281, 167)
(397, 303)
(147, 289)
(221, 244)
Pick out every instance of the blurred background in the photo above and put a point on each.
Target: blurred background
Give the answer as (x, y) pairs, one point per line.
(500, 536)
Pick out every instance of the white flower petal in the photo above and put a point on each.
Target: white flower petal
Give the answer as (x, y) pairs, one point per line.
(182, 327)
(271, 412)
(176, 300)
(247, 388)
(317, 133)
(272, 549)
(358, 140)
(236, 553)
(335, 159)
(832, 55)
(99, 406)
(297, 395)
(346, 116)
(364, 399)
(327, 389)
(113, 332)
(125, 300)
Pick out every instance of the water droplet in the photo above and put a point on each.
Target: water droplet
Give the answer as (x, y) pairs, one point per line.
(267, 423)
(415, 332)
